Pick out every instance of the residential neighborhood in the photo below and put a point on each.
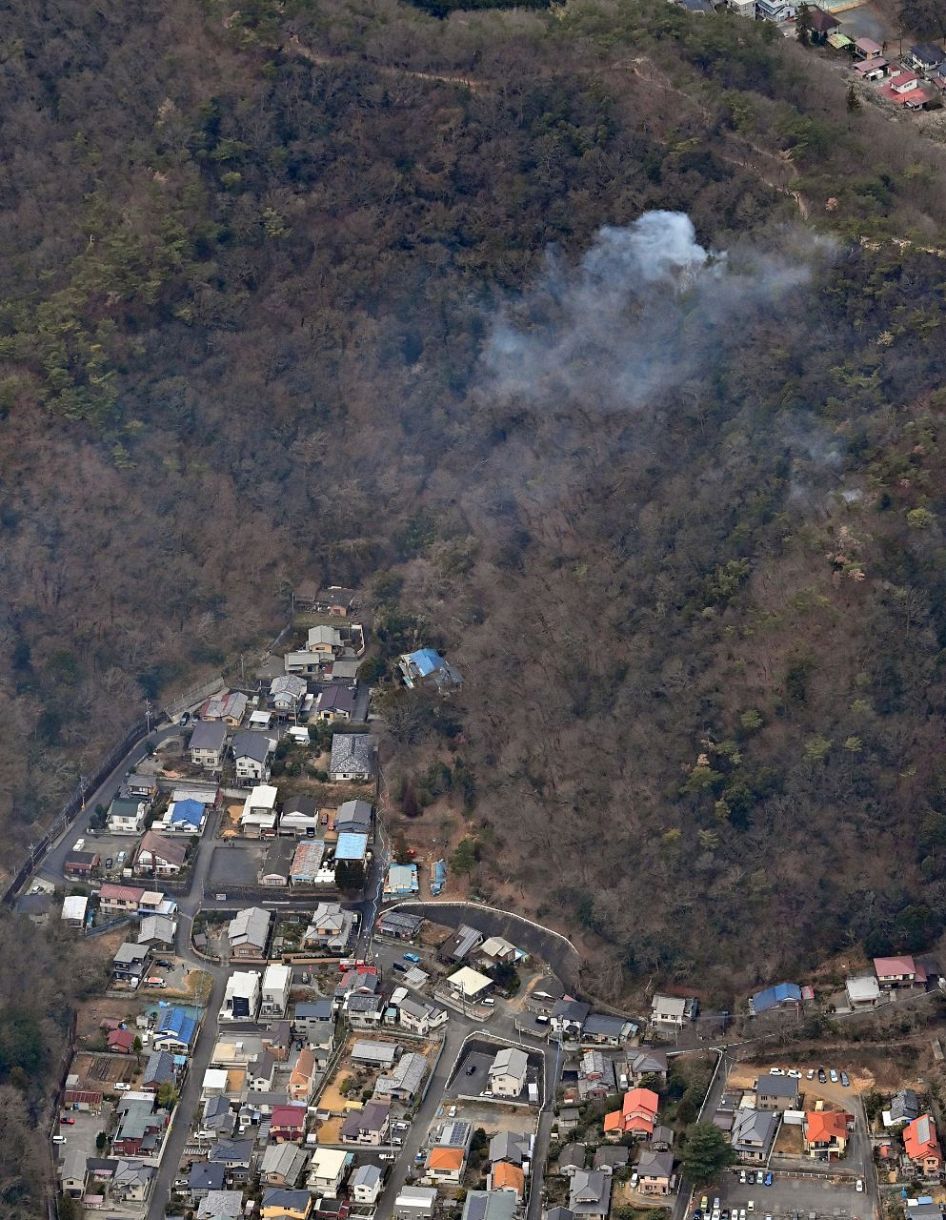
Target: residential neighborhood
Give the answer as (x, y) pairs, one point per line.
(289, 1030)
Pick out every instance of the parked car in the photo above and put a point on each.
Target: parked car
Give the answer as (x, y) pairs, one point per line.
(822, 1076)
(742, 1177)
(767, 1180)
(185, 718)
(834, 1076)
(845, 1079)
(776, 1071)
(164, 963)
(859, 1184)
(795, 1074)
(471, 1069)
(412, 957)
(68, 1120)
(751, 1205)
(810, 1074)
(109, 861)
(59, 1139)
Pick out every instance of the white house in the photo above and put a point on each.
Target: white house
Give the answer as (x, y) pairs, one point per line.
(158, 856)
(277, 981)
(259, 812)
(242, 997)
(251, 755)
(327, 1170)
(366, 1183)
(507, 1074)
(287, 692)
(668, 1010)
(207, 743)
(74, 907)
(126, 815)
(300, 816)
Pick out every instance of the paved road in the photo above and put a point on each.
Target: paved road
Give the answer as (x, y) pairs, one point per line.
(52, 866)
(189, 1099)
(560, 954)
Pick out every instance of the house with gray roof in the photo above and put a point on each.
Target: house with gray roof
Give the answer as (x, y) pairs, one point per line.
(206, 744)
(205, 1177)
(776, 1093)
(569, 1017)
(353, 757)
(655, 1172)
(753, 1133)
(248, 933)
(251, 756)
(353, 817)
(131, 1182)
(611, 1157)
(605, 1030)
(646, 1061)
(282, 1164)
(509, 1146)
(490, 1205)
(404, 1080)
(571, 1159)
(221, 1205)
(589, 1193)
(365, 1184)
(904, 1108)
(159, 1070)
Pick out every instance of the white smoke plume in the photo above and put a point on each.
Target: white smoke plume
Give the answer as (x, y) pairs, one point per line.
(644, 310)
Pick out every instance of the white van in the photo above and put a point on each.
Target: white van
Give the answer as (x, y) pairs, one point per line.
(59, 1139)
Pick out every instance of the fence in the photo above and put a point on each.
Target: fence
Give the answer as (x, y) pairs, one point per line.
(194, 695)
(72, 807)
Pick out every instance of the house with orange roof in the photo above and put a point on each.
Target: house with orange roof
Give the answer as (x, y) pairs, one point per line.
(922, 1145)
(445, 1164)
(302, 1079)
(637, 1116)
(508, 1177)
(826, 1133)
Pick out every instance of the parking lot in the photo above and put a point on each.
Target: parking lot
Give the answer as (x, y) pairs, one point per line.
(236, 864)
(794, 1194)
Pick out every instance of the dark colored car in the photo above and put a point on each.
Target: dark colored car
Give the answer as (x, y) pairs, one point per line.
(822, 1076)
(164, 964)
(109, 861)
(185, 718)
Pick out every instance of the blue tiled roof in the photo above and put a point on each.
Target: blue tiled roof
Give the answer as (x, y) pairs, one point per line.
(351, 846)
(187, 811)
(771, 997)
(177, 1022)
(427, 661)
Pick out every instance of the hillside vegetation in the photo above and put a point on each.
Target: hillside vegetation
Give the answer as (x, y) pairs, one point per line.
(321, 289)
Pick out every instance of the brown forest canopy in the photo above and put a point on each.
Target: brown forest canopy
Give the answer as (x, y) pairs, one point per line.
(252, 263)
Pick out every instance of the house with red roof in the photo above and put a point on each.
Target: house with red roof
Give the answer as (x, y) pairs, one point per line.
(637, 1116)
(921, 1144)
(287, 1123)
(122, 1041)
(826, 1133)
(895, 971)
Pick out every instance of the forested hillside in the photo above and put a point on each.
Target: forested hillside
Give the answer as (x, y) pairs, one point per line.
(336, 289)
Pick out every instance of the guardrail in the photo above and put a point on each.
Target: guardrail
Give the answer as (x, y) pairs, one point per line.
(73, 806)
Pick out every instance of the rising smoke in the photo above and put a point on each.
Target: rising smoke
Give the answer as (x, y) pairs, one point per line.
(646, 309)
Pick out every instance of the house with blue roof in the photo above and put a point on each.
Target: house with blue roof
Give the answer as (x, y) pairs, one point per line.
(439, 879)
(351, 846)
(185, 817)
(426, 667)
(782, 995)
(175, 1031)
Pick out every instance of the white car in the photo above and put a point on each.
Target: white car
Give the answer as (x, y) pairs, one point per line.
(742, 1213)
(859, 1184)
(742, 1176)
(776, 1071)
(810, 1074)
(834, 1076)
(795, 1074)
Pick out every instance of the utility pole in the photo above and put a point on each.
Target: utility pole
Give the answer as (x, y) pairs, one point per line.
(148, 714)
(82, 790)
